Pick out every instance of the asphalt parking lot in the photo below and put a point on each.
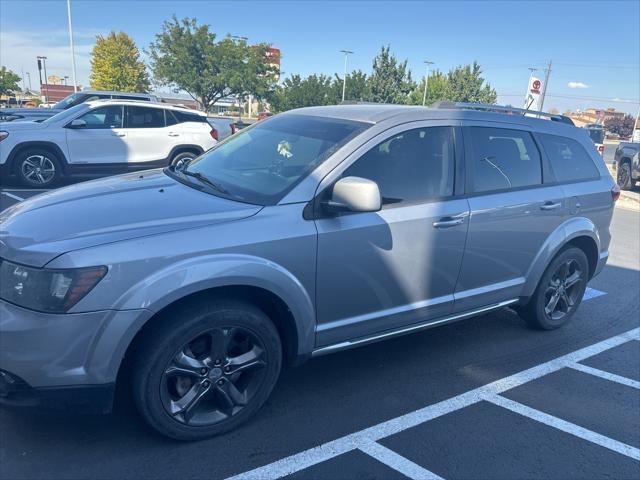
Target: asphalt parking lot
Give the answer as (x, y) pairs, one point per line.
(484, 398)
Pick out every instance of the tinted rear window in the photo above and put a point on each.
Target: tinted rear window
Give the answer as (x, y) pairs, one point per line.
(143, 117)
(569, 160)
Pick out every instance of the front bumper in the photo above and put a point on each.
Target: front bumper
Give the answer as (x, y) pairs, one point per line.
(50, 350)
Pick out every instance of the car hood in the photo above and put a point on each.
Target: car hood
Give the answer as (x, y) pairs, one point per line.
(22, 124)
(37, 230)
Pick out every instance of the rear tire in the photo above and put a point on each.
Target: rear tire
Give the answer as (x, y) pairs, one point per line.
(624, 179)
(37, 168)
(559, 292)
(206, 368)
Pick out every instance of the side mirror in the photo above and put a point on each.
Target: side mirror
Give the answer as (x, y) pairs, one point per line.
(355, 194)
(77, 123)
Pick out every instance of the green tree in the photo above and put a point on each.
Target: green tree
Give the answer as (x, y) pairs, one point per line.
(390, 81)
(437, 89)
(621, 126)
(186, 55)
(8, 81)
(357, 87)
(116, 64)
(467, 85)
(298, 92)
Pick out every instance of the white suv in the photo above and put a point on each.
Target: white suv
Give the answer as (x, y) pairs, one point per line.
(102, 137)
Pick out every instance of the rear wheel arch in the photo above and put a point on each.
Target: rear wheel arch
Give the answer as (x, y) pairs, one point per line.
(590, 249)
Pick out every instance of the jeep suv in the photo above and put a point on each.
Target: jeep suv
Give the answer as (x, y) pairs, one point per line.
(313, 231)
(100, 137)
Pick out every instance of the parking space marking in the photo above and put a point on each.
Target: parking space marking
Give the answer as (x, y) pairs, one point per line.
(362, 438)
(565, 426)
(606, 375)
(398, 462)
(591, 293)
(11, 195)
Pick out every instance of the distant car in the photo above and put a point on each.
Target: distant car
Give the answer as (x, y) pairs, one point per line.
(264, 115)
(239, 125)
(627, 164)
(596, 133)
(102, 137)
(47, 110)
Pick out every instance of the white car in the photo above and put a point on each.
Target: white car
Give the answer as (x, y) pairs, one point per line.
(102, 137)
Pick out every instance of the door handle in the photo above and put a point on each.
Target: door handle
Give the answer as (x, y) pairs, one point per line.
(550, 205)
(172, 134)
(446, 222)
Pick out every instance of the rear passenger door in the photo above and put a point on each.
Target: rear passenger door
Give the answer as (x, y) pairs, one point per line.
(383, 270)
(148, 138)
(513, 209)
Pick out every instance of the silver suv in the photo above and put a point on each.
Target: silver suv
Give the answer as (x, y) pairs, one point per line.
(316, 230)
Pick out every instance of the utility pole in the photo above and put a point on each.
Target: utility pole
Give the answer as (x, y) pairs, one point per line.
(426, 82)
(547, 72)
(29, 77)
(42, 61)
(73, 52)
(344, 80)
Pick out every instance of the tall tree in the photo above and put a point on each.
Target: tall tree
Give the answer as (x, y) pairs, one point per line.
(390, 81)
(298, 92)
(467, 85)
(357, 87)
(186, 55)
(437, 89)
(116, 64)
(8, 81)
(621, 126)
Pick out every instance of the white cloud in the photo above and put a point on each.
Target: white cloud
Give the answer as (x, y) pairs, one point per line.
(18, 51)
(577, 85)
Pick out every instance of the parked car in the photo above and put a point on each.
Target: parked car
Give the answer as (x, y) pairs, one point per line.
(322, 229)
(597, 134)
(238, 125)
(102, 137)
(49, 110)
(221, 125)
(626, 161)
(264, 115)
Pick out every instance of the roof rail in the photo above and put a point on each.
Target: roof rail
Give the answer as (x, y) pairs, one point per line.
(485, 107)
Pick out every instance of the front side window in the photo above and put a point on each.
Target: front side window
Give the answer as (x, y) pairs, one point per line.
(103, 117)
(264, 162)
(411, 167)
(504, 159)
(144, 117)
(569, 160)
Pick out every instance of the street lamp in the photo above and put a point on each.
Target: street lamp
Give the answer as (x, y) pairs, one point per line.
(344, 80)
(46, 80)
(426, 82)
(73, 52)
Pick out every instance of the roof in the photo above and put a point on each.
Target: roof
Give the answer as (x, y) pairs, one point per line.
(376, 113)
(144, 103)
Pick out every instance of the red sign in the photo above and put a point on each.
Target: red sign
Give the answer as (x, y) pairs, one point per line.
(535, 86)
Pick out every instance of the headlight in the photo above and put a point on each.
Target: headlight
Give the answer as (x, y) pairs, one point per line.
(51, 291)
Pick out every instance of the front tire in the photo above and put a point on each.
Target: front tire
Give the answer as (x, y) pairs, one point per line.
(559, 292)
(183, 159)
(37, 168)
(206, 368)
(624, 180)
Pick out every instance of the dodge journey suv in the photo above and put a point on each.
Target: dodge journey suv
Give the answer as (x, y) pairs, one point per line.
(313, 231)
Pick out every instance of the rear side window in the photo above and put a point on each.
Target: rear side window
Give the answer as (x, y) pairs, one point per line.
(143, 117)
(188, 117)
(569, 160)
(504, 159)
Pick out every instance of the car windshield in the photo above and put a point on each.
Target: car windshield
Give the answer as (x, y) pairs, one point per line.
(70, 113)
(261, 164)
(70, 101)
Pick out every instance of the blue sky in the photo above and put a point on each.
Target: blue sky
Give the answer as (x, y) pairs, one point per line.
(589, 41)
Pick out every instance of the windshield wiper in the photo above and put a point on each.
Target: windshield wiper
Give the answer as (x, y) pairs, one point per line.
(205, 180)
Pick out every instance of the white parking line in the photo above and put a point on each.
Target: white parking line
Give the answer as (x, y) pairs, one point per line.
(606, 375)
(565, 426)
(11, 195)
(398, 462)
(591, 293)
(361, 439)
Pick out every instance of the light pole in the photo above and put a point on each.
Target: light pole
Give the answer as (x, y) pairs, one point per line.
(344, 80)
(29, 77)
(73, 52)
(46, 80)
(426, 82)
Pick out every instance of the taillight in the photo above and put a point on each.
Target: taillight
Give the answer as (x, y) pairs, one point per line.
(601, 149)
(214, 134)
(615, 192)
(233, 128)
